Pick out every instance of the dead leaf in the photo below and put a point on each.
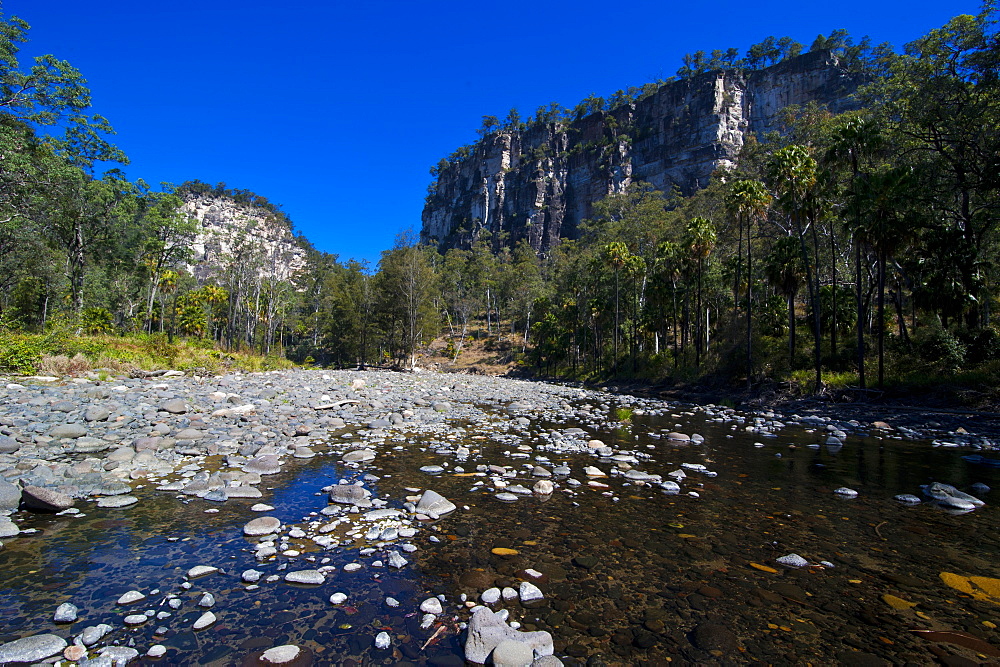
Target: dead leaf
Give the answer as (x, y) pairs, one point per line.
(897, 602)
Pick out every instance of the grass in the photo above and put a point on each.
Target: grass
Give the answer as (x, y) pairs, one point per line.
(60, 353)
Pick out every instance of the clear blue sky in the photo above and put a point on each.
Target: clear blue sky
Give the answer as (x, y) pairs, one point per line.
(336, 110)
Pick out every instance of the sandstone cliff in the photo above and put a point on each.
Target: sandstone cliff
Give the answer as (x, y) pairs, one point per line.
(230, 232)
(540, 182)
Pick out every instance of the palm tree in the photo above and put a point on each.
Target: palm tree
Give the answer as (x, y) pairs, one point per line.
(885, 197)
(699, 239)
(668, 260)
(784, 270)
(617, 254)
(856, 138)
(748, 200)
(793, 173)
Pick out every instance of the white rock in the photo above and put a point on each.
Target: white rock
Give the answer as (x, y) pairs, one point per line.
(528, 592)
(793, 560)
(130, 597)
(204, 620)
(431, 606)
(382, 641)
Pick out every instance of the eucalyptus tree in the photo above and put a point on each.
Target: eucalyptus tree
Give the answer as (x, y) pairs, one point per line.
(941, 101)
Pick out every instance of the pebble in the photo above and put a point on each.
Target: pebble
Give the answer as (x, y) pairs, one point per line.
(201, 571)
(279, 655)
(205, 620)
(66, 613)
(130, 597)
(307, 577)
(792, 560)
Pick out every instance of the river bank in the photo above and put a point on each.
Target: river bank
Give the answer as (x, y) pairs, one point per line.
(559, 508)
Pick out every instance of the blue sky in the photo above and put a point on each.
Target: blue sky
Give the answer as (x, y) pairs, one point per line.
(336, 110)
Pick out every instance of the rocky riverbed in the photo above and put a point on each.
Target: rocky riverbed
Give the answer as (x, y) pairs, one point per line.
(320, 517)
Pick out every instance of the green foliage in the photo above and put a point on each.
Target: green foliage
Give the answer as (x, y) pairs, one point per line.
(939, 346)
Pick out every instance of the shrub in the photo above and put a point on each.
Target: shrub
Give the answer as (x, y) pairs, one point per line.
(981, 345)
(937, 345)
(19, 353)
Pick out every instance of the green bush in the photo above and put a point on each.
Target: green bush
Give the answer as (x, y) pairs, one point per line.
(981, 345)
(19, 353)
(937, 345)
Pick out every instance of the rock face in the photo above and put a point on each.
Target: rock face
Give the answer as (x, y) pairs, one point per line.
(539, 183)
(229, 231)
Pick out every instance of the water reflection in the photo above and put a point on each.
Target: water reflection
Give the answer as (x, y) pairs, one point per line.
(632, 576)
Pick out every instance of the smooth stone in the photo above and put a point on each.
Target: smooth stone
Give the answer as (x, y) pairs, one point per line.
(8, 528)
(311, 577)
(136, 619)
(432, 502)
(487, 629)
(528, 592)
(47, 500)
(72, 431)
(97, 414)
(846, 492)
(157, 651)
(280, 655)
(94, 633)
(244, 492)
(511, 653)
(32, 649)
(175, 406)
(8, 445)
(358, 456)
(382, 640)
(117, 501)
(66, 613)
(119, 655)
(266, 464)
(490, 596)
(251, 576)
(204, 620)
(264, 525)
(349, 494)
(543, 487)
(338, 598)
(10, 496)
(678, 437)
(506, 497)
(130, 597)
(431, 606)
(75, 653)
(201, 571)
(207, 600)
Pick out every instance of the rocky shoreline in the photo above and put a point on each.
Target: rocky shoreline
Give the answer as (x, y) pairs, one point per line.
(71, 444)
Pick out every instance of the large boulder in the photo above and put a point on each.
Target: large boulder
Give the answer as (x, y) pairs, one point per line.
(31, 649)
(487, 630)
(46, 500)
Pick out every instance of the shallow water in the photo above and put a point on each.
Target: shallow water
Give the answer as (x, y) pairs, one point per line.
(630, 574)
